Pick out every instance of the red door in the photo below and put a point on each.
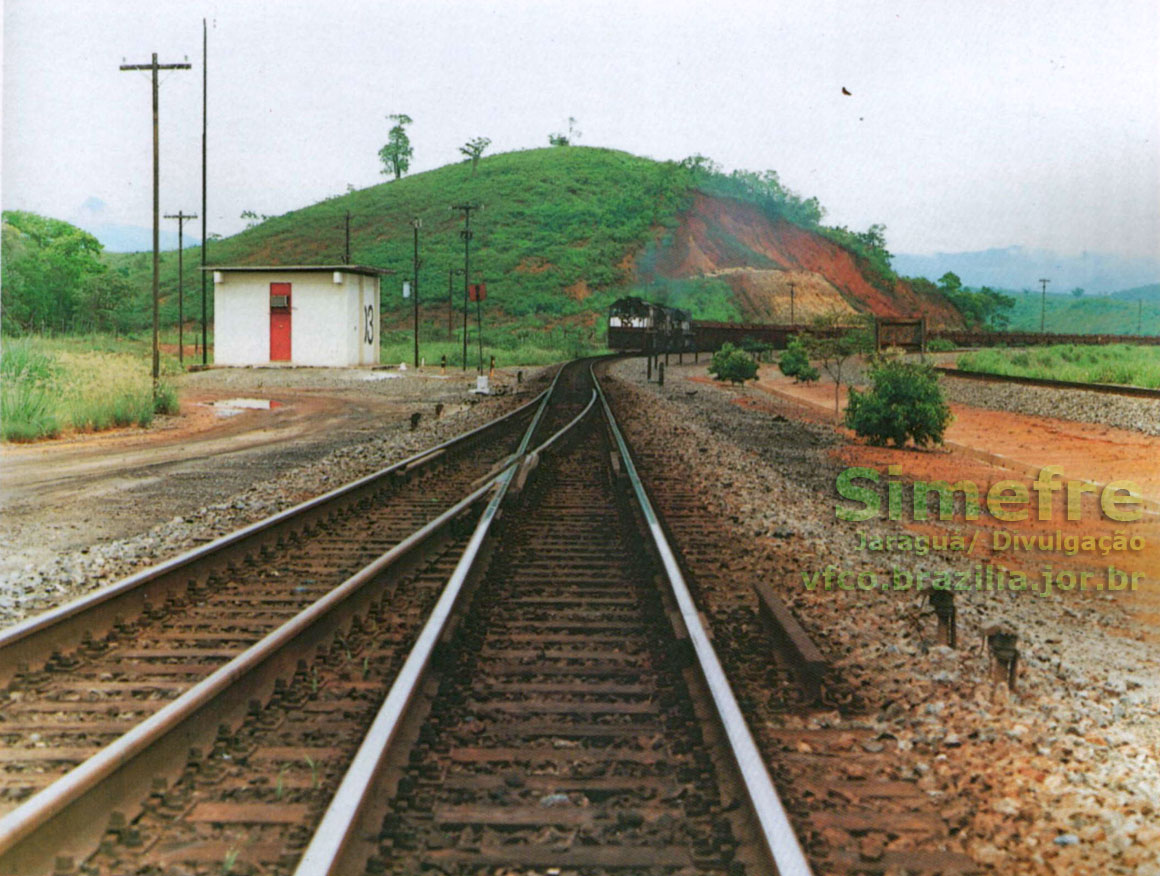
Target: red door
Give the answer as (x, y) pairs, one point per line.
(279, 322)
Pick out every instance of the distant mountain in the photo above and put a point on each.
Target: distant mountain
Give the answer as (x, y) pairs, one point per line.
(1015, 267)
(133, 238)
(1149, 293)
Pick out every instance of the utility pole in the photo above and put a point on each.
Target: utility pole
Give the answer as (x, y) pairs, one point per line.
(181, 218)
(1043, 306)
(451, 272)
(204, 236)
(479, 322)
(466, 234)
(346, 249)
(416, 224)
(155, 67)
(792, 286)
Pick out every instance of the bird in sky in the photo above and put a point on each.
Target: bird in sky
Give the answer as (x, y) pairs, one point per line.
(845, 91)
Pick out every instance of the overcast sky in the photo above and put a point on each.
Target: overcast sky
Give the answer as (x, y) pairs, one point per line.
(969, 124)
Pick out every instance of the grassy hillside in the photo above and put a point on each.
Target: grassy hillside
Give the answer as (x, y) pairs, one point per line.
(1089, 314)
(1150, 293)
(562, 233)
(552, 219)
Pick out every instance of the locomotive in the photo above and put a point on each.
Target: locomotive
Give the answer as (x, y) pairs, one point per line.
(639, 326)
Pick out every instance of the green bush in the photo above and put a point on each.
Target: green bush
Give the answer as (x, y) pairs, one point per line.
(940, 345)
(165, 400)
(733, 365)
(903, 403)
(795, 362)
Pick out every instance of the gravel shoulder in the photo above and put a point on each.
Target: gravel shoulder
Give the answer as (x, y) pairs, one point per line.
(1059, 776)
(79, 513)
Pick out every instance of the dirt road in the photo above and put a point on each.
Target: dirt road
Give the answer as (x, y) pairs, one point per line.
(66, 494)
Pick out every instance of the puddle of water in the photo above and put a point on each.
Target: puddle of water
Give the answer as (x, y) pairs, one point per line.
(247, 404)
(231, 407)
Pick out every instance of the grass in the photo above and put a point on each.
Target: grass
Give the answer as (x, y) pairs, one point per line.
(1114, 363)
(511, 341)
(1088, 314)
(84, 384)
(553, 220)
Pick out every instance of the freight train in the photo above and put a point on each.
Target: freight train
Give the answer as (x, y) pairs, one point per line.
(639, 326)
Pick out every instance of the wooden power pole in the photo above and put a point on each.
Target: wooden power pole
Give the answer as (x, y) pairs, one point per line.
(181, 218)
(466, 234)
(154, 67)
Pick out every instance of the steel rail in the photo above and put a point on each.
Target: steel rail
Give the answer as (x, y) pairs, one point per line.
(33, 639)
(559, 434)
(23, 826)
(31, 834)
(1105, 388)
(335, 832)
(776, 830)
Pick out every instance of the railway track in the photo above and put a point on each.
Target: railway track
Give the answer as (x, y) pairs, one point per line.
(80, 677)
(553, 699)
(1103, 388)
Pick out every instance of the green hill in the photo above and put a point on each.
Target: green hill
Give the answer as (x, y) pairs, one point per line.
(1088, 314)
(562, 233)
(552, 219)
(1147, 294)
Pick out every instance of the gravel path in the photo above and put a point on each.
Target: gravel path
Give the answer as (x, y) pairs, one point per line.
(1059, 778)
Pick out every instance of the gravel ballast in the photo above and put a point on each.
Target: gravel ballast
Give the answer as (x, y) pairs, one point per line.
(1059, 777)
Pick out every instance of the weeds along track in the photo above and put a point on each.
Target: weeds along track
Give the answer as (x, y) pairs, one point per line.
(522, 683)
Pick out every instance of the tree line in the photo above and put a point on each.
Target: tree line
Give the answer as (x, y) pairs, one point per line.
(54, 280)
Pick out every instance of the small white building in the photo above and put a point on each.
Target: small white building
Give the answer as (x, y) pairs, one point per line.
(296, 315)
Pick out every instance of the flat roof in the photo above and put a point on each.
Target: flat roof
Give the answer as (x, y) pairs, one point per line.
(346, 269)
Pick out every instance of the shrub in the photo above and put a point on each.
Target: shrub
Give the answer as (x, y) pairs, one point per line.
(165, 401)
(27, 394)
(795, 362)
(26, 412)
(940, 345)
(733, 365)
(903, 403)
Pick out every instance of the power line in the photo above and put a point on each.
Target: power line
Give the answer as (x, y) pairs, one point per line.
(154, 67)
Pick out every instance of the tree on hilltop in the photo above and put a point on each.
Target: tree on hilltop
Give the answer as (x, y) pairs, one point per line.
(474, 150)
(558, 139)
(396, 154)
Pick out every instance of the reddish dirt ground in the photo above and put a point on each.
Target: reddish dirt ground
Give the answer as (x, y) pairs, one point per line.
(986, 446)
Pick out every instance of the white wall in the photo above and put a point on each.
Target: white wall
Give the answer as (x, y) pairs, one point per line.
(327, 320)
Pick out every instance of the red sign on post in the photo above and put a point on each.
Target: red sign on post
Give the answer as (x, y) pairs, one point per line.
(477, 291)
